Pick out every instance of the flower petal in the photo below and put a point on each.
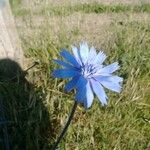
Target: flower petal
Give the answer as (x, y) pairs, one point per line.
(72, 83)
(65, 73)
(110, 68)
(110, 82)
(81, 89)
(92, 54)
(71, 59)
(80, 95)
(81, 82)
(84, 52)
(112, 86)
(64, 64)
(76, 54)
(89, 96)
(100, 58)
(99, 91)
(114, 79)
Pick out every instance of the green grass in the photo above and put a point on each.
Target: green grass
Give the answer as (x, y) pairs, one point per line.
(85, 8)
(98, 8)
(120, 125)
(38, 107)
(15, 3)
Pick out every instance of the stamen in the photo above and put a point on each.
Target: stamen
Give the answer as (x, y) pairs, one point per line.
(88, 70)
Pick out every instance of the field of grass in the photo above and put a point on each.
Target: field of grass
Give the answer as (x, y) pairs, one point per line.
(97, 8)
(37, 108)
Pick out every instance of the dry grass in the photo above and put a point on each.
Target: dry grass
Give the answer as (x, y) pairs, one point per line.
(90, 27)
(70, 2)
(123, 124)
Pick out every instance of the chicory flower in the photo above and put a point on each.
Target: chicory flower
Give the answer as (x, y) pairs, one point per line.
(88, 74)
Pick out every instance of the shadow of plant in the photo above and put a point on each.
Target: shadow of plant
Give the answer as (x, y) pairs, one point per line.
(24, 120)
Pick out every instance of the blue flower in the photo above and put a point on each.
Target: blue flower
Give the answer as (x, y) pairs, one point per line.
(88, 74)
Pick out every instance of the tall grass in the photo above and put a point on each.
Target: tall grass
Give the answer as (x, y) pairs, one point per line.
(39, 107)
(120, 125)
(84, 8)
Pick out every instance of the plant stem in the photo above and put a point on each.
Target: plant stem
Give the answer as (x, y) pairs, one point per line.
(66, 126)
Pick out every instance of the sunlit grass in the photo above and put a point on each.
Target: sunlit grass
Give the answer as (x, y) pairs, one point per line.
(39, 112)
(122, 123)
(85, 8)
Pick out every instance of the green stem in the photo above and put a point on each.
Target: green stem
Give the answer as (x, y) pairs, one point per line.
(66, 126)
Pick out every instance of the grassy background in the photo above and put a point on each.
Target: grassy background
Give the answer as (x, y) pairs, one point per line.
(62, 10)
(39, 107)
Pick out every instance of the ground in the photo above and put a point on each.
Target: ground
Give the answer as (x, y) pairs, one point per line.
(122, 32)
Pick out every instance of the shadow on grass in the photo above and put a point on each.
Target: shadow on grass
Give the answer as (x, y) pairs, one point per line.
(24, 120)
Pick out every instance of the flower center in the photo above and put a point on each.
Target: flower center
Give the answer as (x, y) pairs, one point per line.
(87, 70)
